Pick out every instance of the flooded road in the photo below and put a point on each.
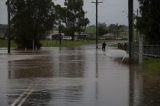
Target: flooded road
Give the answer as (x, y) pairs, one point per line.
(78, 76)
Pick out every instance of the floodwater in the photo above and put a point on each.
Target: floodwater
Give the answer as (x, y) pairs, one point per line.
(80, 76)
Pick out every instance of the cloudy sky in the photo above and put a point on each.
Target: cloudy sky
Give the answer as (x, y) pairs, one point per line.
(110, 11)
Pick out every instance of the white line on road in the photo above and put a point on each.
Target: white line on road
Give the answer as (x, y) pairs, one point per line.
(25, 98)
(21, 96)
(21, 99)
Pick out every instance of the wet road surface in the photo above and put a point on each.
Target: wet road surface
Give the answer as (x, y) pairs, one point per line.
(78, 76)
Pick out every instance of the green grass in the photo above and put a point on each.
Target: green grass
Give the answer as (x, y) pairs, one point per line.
(152, 66)
(4, 43)
(65, 43)
(54, 43)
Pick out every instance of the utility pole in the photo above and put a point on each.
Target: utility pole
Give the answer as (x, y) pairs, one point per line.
(97, 22)
(9, 26)
(130, 21)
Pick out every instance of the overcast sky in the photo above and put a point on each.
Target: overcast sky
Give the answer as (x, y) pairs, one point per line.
(110, 11)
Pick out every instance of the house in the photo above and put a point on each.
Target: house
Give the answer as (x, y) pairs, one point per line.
(52, 33)
(82, 35)
(109, 36)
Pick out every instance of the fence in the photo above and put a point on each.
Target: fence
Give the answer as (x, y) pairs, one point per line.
(151, 50)
(148, 50)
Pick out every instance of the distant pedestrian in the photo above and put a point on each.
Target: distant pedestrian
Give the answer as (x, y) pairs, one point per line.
(104, 46)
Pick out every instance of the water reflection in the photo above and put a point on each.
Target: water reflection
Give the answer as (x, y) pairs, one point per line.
(96, 63)
(64, 63)
(80, 77)
(39, 98)
(39, 67)
(144, 88)
(151, 91)
(131, 85)
(71, 65)
(96, 83)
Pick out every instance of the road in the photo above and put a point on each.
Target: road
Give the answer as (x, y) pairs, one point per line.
(80, 76)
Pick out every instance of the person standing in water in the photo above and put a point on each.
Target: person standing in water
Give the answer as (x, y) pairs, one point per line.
(104, 46)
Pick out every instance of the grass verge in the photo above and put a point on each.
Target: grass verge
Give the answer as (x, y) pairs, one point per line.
(4, 43)
(52, 43)
(152, 66)
(65, 43)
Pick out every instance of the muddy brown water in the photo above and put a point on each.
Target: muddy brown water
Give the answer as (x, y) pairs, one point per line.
(79, 76)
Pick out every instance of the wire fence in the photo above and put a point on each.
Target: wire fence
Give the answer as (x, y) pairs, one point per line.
(151, 50)
(148, 50)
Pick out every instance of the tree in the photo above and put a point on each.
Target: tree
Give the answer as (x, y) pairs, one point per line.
(91, 30)
(117, 30)
(102, 29)
(30, 21)
(75, 17)
(114, 28)
(149, 21)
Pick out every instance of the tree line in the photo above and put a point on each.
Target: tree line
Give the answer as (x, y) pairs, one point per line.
(31, 19)
(103, 29)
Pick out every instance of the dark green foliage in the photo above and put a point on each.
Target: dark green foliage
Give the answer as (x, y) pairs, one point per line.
(102, 29)
(116, 29)
(30, 21)
(75, 20)
(149, 21)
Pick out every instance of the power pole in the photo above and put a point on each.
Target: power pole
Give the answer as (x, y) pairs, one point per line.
(97, 22)
(9, 26)
(130, 21)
